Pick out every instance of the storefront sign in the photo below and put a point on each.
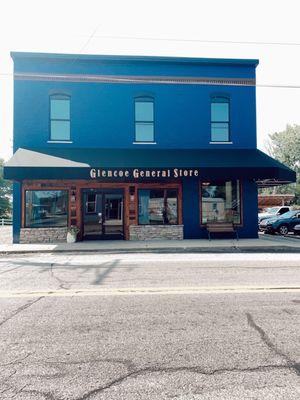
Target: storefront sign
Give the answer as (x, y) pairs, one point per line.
(140, 173)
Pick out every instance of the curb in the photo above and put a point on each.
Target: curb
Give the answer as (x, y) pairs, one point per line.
(233, 249)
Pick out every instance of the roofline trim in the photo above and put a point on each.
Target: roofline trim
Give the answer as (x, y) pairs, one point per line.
(143, 79)
(134, 58)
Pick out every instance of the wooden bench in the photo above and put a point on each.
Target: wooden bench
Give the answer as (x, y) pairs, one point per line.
(220, 227)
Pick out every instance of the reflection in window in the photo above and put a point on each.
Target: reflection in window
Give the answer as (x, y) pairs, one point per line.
(219, 119)
(60, 117)
(158, 207)
(90, 205)
(221, 202)
(113, 207)
(144, 119)
(46, 208)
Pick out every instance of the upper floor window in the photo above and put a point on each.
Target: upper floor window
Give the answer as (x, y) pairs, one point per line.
(220, 119)
(144, 119)
(60, 126)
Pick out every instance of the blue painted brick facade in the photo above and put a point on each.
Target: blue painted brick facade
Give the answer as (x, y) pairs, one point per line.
(102, 114)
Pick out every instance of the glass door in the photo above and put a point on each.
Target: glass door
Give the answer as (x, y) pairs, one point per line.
(92, 215)
(103, 214)
(113, 217)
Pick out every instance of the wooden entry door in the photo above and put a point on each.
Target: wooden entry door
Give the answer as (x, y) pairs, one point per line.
(103, 214)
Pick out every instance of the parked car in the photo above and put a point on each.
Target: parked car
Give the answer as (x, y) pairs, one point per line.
(282, 224)
(272, 212)
(296, 229)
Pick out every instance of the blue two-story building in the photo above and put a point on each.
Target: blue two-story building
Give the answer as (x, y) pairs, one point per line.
(135, 148)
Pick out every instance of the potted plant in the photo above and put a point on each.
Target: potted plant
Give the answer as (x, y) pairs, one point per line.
(72, 234)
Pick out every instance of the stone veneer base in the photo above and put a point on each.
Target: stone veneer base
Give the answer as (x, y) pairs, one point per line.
(43, 235)
(155, 232)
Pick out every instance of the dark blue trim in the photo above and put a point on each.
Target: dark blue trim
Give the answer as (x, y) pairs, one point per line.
(16, 173)
(116, 58)
(253, 164)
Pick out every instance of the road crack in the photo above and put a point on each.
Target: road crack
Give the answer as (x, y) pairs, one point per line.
(62, 284)
(6, 389)
(265, 338)
(135, 373)
(20, 309)
(17, 361)
(8, 378)
(127, 363)
(196, 369)
(268, 342)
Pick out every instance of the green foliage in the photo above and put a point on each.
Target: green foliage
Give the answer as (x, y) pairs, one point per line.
(5, 194)
(285, 147)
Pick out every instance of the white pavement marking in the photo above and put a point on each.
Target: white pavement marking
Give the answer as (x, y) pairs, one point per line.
(149, 291)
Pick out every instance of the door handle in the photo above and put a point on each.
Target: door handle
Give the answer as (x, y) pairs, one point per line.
(100, 218)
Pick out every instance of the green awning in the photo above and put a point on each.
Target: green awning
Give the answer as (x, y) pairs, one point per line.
(73, 163)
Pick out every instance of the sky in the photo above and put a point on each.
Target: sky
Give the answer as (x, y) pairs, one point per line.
(263, 29)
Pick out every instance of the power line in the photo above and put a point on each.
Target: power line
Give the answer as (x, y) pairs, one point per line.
(198, 40)
(172, 39)
(90, 37)
(275, 86)
(93, 36)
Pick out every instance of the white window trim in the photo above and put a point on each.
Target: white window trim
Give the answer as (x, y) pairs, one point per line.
(59, 141)
(220, 142)
(144, 143)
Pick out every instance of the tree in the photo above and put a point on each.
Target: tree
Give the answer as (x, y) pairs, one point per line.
(285, 147)
(5, 194)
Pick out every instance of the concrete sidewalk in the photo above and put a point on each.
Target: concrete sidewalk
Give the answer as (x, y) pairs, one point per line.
(263, 244)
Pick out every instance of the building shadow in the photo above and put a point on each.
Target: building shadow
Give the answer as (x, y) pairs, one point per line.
(102, 270)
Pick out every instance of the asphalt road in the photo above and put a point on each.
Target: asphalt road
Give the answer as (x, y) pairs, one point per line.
(150, 326)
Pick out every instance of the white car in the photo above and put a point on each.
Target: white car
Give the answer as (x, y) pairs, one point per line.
(273, 212)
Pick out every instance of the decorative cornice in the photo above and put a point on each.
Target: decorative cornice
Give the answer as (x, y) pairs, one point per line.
(173, 80)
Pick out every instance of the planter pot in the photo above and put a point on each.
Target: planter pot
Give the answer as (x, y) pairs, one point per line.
(71, 237)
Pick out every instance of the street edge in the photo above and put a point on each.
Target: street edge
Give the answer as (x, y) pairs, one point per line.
(257, 249)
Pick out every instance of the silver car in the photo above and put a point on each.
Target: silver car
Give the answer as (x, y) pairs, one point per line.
(273, 212)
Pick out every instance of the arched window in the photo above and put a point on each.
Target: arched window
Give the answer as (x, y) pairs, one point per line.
(60, 124)
(220, 119)
(144, 119)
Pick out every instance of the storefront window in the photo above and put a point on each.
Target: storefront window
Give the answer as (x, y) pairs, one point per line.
(46, 208)
(221, 201)
(158, 207)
